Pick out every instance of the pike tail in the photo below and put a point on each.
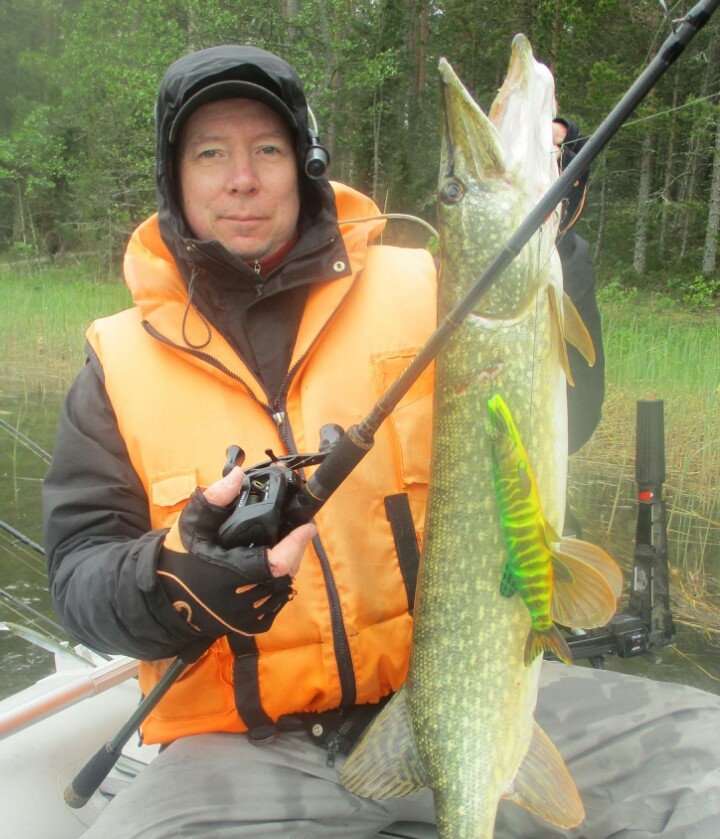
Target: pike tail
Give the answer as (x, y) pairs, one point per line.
(386, 763)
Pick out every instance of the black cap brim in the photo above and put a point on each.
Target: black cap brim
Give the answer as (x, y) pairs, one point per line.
(230, 89)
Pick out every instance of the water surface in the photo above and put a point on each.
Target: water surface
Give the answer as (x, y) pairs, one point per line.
(33, 409)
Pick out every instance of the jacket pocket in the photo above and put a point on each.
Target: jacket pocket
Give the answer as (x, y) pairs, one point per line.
(410, 423)
(168, 495)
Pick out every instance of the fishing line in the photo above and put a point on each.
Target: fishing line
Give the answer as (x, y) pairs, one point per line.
(25, 441)
(539, 269)
(395, 217)
(637, 121)
(31, 622)
(11, 547)
(19, 603)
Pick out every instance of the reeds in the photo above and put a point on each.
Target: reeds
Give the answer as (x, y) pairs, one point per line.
(654, 349)
(659, 350)
(44, 315)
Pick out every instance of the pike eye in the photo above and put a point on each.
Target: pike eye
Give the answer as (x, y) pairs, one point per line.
(452, 191)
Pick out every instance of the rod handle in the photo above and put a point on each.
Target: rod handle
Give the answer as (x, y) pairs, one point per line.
(350, 449)
(80, 790)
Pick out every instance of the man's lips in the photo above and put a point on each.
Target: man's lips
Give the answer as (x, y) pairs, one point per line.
(242, 219)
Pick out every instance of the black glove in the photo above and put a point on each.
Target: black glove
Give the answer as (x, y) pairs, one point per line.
(218, 590)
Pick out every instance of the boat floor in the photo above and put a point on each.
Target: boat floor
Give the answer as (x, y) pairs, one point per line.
(39, 761)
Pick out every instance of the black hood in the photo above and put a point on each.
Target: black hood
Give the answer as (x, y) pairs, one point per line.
(191, 74)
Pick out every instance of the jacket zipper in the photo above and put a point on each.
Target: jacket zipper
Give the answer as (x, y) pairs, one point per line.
(211, 360)
(260, 285)
(343, 657)
(278, 413)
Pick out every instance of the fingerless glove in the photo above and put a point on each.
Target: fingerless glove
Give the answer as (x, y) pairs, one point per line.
(218, 590)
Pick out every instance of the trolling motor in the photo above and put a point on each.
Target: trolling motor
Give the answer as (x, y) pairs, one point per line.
(305, 500)
(648, 622)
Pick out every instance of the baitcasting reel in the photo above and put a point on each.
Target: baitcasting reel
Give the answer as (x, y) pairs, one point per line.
(267, 489)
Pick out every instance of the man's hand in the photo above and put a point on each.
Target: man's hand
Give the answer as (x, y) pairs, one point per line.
(221, 590)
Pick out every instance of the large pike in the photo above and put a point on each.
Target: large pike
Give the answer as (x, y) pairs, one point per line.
(463, 722)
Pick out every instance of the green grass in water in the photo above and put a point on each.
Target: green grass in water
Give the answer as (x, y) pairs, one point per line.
(656, 349)
(43, 319)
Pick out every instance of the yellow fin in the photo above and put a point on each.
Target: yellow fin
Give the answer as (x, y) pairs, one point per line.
(576, 332)
(542, 784)
(551, 535)
(588, 600)
(385, 763)
(558, 332)
(550, 640)
(598, 558)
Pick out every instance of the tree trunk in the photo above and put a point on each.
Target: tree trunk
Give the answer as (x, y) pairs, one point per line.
(688, 190)
(713, 220)
(643, 206)
(556, 33)
(377, 123)
(669, 169)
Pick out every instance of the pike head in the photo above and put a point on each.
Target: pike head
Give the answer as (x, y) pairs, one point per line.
(493, 170)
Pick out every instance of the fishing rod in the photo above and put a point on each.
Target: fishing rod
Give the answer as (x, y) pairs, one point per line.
(337, 462)
(26, 607)
(26, 540)
(26, 441)
(359, 439)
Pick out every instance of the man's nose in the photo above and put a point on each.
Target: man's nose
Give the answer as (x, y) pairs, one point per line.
(242, 176)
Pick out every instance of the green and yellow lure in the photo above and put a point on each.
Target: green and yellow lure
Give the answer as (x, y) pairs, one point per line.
(564, 580)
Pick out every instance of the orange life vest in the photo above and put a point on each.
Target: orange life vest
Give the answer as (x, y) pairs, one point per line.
(178, 409)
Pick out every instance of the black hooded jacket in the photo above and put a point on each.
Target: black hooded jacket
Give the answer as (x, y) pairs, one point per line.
(100, 551)
(242, 304)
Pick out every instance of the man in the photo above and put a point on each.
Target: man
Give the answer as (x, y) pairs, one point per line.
(261, 315)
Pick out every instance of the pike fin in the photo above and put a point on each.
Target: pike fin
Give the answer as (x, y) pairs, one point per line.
(547, 639)
(543, 784)
(558, 332)
(576, 332)
(596, 557)
(567, 326)
(385, 763)
(551, 534)
(589, 597)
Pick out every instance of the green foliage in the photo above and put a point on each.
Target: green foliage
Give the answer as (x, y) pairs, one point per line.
(76, 109)
(615, 291)
(697, 291)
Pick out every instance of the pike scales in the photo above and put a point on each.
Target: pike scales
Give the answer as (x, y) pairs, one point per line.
(463, 722)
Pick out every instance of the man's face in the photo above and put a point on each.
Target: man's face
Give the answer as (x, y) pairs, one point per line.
(238, 177)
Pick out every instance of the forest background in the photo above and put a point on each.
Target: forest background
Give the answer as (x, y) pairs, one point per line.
(79, 79)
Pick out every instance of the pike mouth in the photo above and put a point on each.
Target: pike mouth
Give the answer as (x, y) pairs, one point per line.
(515, 138)
(469, 138)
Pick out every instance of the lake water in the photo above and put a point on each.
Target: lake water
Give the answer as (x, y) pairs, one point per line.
(33, 412)
(33, 409)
